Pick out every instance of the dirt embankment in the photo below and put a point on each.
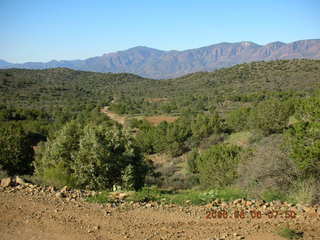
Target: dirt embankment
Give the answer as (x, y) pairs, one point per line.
(35, 212)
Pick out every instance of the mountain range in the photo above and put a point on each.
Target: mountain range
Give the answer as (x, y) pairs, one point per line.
(158, 64)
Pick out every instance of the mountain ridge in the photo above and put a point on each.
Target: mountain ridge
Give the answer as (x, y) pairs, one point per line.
(160, 64)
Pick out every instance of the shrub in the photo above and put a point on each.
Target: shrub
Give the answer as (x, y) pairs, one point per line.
(95, 157)
(238, 119)
(305, 191)
(304, 146)
(266, 166)
(271, 116)
(16, 152)
(217, 165)
(290, 233)
(146, 194)
(3, 173)
(205, 124)
(192, 161)
(308, 109)
(128, 178)
(270, 195)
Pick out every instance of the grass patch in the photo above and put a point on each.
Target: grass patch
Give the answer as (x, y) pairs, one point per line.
(227, 194)
(273, 195)
(147, 194)
(100, 198)
(290, 233)
(241, 139)
(184, 197)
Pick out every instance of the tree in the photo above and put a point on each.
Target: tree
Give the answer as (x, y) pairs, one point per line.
(271, 116)
(304, 137)
(238, 119)
(93, 156)
(16, 152)
(217, 165)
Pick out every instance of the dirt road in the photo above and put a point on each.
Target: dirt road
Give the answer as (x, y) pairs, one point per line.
(29, 214)
(113, 116)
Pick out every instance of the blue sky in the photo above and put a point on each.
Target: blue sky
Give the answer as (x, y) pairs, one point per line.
(42, 30)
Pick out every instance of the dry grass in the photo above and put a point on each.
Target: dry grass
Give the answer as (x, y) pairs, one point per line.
(156, 100)
(155, 120)
(159, 158)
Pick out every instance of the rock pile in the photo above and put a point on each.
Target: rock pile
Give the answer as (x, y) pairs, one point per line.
(218, 208)
(12, 184)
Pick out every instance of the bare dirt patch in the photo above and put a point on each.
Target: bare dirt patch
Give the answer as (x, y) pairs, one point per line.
(116, 117)
(33, 213)
(155, 120)
(156, 100)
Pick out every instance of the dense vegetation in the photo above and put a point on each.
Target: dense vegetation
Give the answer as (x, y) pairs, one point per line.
(254, 127)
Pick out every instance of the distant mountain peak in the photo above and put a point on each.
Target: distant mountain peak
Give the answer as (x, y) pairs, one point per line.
(154, 63)
(248, 44)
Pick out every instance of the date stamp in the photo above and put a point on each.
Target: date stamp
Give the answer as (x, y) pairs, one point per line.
(254, 214)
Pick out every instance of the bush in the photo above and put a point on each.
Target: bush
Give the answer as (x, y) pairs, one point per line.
(16, 152)
(205, 124)
(270, 195)
(290, 233)
(3, 173)
(271, 116)
(308, 109)
(237, 120)
(304, 146)
(146, 194)
(305, 191)
(192, 161)
(266, 166)
(94, 157)
(217, 165)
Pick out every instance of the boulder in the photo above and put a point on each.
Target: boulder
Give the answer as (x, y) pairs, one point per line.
(60, 195)
(122, 196)
(6, 182)
(65, 189)
(20, 181)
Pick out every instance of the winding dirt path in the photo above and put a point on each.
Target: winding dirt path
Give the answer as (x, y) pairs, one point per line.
(116, 117)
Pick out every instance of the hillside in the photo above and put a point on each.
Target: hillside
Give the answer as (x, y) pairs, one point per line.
(153, 63)
(60, 86)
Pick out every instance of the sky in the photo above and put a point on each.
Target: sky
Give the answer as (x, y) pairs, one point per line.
(42, 30)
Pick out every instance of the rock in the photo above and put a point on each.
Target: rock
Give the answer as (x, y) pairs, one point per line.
(60, 195)
(149, 205)
(65, 189)
(20, 181)
(51, 189)
(6, 182)
(95, 228)
(122, 196)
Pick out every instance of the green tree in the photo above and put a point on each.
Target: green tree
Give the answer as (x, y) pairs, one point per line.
(92, 156)
(271, 116)
(305, 148)
(16, 152)
(238, 119)
(217, 165)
